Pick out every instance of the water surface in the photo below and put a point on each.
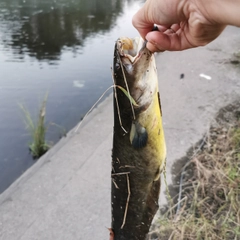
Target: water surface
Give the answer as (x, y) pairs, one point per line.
(60, 47)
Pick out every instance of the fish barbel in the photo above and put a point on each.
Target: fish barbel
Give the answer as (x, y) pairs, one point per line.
(139, 150)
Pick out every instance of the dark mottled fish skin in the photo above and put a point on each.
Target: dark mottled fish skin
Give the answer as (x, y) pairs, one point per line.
(138, 156)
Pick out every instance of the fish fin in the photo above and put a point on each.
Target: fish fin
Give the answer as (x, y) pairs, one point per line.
(138, 135)
(159, 102)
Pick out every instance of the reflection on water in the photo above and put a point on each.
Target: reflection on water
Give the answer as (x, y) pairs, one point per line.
(63, 47)
(41, 28)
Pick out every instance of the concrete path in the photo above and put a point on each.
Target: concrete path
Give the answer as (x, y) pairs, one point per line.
(66, 194)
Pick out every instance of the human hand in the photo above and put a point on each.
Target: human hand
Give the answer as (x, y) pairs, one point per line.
(182, 24)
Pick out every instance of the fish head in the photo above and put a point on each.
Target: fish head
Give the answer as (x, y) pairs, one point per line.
(134, 57)
(134, 69)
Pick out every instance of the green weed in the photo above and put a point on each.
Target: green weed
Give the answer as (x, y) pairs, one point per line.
(236, 138)
(38, 145)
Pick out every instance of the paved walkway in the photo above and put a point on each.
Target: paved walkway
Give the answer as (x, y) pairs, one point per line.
(66, 194)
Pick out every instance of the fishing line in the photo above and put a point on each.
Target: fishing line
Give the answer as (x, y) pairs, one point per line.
(92, 107)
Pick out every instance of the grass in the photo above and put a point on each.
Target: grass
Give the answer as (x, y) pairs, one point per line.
(38, 145)
(210, 197)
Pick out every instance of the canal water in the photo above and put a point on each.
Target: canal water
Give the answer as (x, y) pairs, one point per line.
(62, 48)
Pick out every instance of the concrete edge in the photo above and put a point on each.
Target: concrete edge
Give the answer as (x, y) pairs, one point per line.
(50, 153)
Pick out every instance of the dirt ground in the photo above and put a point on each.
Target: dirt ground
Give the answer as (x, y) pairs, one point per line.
(204, 201)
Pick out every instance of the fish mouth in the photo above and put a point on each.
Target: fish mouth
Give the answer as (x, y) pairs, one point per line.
(131, 49)
(134, 69)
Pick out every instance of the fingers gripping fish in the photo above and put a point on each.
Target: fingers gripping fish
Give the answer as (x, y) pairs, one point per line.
(139, 149)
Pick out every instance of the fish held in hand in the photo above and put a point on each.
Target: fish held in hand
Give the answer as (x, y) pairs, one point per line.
(139, 150)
